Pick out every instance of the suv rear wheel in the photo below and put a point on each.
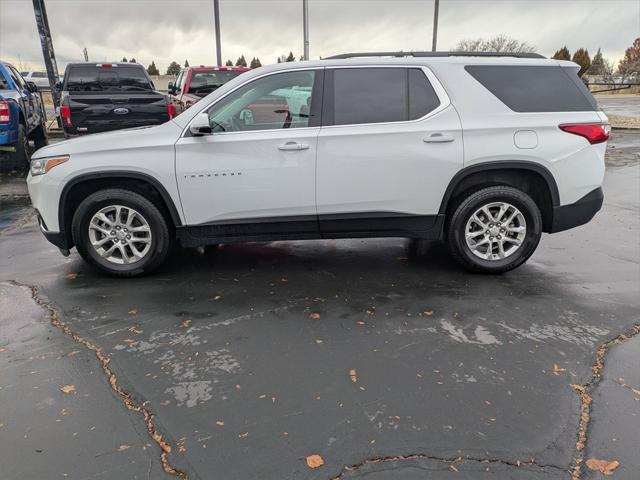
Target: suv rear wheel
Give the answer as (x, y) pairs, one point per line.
(121, 232)
(494, 230)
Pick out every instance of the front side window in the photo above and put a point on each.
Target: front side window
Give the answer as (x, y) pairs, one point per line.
(277, 101)
(379, 95)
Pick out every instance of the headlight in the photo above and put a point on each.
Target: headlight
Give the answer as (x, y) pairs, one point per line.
(40, 166)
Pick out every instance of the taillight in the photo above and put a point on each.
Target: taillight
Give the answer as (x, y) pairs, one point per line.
(593, 132)
(65, 115)
(171, 110)
(4, 112)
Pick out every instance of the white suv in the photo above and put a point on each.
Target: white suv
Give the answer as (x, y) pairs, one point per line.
(485, 151)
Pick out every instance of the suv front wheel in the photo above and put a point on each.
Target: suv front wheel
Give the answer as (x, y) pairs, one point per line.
(121, 232)
(494, 230)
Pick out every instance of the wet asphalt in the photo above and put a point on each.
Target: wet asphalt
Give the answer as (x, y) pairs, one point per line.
(252, 357)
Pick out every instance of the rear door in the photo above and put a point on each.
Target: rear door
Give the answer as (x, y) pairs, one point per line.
(390, 138)
(106, 97)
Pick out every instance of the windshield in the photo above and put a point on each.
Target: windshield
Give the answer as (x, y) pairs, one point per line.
(206, 82)
(91, 78)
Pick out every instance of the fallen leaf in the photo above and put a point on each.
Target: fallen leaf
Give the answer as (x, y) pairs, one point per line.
(71, 276)
(220, 423)
(360, 322)
(606, 467)
(134, 330)
(428, 313)
(122, 448)
(73, 353)
(314, 461)
(557, 370)
(453, 467)
(217, 297)
(133, 311)
(243, 435)
(68, 388)
(314, 316)
(578, 388)
(352, 375)
(185, 323)
(318, 341)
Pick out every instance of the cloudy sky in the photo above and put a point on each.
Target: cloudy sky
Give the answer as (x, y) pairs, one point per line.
(166, 30)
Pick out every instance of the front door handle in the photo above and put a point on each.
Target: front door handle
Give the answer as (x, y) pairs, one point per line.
(438, 138)
(293, 146)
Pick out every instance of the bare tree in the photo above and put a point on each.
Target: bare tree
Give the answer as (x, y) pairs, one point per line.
(499, 43)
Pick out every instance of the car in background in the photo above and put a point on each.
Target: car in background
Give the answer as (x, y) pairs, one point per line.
(39, 78)
(194, 83)
(22, 118)
(100, 97)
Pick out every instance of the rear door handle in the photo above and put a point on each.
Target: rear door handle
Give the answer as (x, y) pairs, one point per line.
(438, 138)
(293, 146)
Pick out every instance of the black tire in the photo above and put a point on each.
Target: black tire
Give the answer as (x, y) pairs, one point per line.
(456, 230)
(161, 232)
(19, 160)
(39, 136)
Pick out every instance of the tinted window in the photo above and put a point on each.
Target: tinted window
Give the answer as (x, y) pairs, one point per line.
(535, 88)
(278, 101)
(369, 95)
(375, 95)
(90, 78)
(15, 76)
(422, 96)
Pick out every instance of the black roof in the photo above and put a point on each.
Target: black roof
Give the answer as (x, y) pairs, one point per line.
(435, 54)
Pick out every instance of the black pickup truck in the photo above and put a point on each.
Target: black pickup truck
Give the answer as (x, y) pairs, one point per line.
(98, 97)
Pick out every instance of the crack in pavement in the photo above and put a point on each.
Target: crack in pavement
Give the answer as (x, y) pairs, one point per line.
(55, 320)
(585, 396)
(450, 460)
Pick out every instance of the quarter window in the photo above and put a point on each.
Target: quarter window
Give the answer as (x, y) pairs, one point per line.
(376, 95)
(278, 101)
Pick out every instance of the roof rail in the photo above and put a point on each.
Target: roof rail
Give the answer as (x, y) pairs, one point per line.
(435, 54)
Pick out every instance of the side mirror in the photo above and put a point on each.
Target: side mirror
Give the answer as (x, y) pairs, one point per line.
(200, 125)
(58, 86)
(32, 87)
(171, 87)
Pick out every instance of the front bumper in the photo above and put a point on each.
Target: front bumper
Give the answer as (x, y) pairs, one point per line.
(578, 213)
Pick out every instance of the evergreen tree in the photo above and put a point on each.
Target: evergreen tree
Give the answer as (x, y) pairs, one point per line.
(597, 64)
(133, 60)
(562, 54)
(229, 63)
(255, 63)
(173, 69)
(290, 58)
(581, 57)
(186, 63)
(241, 62)
(124, 60)
(152, 69)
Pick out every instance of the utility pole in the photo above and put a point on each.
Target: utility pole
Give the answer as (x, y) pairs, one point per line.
(216, 19)
(47, 51)
(305, 27)
(434, 43)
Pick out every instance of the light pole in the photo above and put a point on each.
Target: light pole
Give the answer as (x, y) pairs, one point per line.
(435, 25)
(216, 19)
(305, 28)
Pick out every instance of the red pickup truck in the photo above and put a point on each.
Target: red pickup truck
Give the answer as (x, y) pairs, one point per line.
(194, 83)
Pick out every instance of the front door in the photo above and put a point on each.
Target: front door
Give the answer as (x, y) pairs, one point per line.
(389, 145)
(256, 172)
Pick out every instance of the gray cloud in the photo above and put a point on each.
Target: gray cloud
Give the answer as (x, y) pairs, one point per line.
(166, 30)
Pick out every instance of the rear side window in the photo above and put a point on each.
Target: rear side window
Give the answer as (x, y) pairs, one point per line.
(377, 95)
(535, 88)
(91, 78)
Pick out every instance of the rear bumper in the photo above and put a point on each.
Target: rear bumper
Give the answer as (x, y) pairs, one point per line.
(578, 213)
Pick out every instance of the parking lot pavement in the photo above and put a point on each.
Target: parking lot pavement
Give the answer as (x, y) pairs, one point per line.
(620, 104)
(253, 357)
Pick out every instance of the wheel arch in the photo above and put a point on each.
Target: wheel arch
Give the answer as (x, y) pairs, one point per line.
(534, 179)
(76, 190)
